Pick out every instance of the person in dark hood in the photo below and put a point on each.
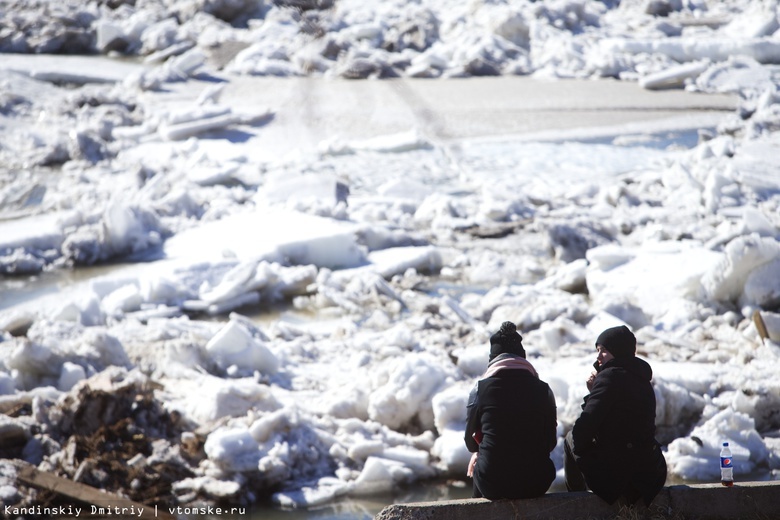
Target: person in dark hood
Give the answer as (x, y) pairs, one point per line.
(512, 424)
(612, 447)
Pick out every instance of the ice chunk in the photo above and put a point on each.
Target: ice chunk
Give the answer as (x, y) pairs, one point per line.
(234, 345)
(412, 382)
(233, 449)
(70, 374)
(284, 235)
(726, 280)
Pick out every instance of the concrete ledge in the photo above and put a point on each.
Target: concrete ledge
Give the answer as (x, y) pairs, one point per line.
(743, 501)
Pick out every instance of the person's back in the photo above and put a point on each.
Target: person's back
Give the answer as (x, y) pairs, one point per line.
(518, 431)
(511, 424)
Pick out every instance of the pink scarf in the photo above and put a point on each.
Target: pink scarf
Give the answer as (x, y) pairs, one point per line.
(516, 363)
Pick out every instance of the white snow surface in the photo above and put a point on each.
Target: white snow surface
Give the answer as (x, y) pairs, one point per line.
(392, 257)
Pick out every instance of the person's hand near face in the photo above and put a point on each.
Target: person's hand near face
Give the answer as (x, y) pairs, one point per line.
(603, 357)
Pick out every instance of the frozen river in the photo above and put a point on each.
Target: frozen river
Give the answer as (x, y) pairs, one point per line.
(311, 111)
(474, 140)
(310, 114)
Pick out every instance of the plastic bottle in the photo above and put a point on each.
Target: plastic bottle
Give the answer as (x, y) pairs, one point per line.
(726, 466)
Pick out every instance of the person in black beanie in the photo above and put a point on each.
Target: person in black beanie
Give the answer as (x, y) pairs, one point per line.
(612, 447)
(512, 424)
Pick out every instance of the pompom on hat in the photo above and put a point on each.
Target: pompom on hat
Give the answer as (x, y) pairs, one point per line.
(506, 341)
(619, 341)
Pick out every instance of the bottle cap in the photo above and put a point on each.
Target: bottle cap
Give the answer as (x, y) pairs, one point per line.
(725, 443)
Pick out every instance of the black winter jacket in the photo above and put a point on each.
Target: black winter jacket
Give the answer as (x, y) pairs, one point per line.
(516, 414)
(614, 437)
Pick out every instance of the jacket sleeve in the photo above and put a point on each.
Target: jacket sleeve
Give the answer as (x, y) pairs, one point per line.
(597, 406)
(472, 420)
(552, 422)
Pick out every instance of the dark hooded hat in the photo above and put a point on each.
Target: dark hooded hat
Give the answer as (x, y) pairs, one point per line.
(506, 341)
(619, 341)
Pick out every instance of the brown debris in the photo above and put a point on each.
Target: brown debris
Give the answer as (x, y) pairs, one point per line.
(758, 320)
(121, 438)
(83, 493)
(113, 434)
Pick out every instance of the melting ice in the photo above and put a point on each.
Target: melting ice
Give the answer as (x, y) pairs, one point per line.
(394, 257)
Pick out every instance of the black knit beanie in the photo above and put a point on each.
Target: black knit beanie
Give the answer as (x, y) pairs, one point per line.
(506, 341)
(619, 341)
